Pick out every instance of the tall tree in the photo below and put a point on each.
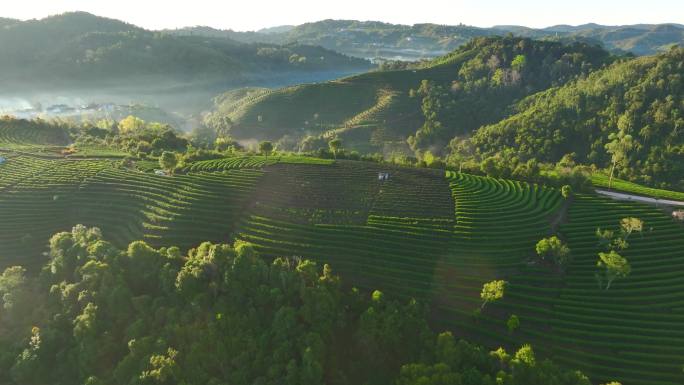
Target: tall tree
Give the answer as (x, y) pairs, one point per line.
(492, 291)
(131, 124)
(613, 266)
(553, 248)
(265, 148)
(630, 225)
(168, 160)
(619, 146)
(335, 146)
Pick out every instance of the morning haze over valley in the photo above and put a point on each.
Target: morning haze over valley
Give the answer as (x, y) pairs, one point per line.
(306, 193)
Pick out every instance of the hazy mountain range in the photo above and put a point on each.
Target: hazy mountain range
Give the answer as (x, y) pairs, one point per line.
(83, 49)
(376, 39)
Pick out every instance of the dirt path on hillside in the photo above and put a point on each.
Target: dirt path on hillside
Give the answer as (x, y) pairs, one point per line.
(561, 216)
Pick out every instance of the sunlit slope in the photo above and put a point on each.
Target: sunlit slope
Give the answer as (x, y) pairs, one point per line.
(384, 235)
(40, 197)
(376, 109)
(497, 224)
(640, 97)
(352, 108)
(360, 103)
(417, 235)
(633, 330)
(603, 181)
(629, 333)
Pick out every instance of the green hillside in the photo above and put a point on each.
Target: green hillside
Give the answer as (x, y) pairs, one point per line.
(421, 234)
(472, 86)
(641, 40)
(80, 49)
(642, 98)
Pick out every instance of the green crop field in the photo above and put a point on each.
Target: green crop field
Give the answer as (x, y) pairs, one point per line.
(341, 214)
(40, 197)
(497, 225)
(254, 161)
(420, 234)
(31, 136)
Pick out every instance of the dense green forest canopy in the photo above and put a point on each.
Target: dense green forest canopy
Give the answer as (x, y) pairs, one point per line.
(221, 314)
(643, 98)
(76, 49)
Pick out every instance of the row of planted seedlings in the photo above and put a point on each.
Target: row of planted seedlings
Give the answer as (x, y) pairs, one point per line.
(182, 210)
(414, 193)
(14, 133)
(498, 223)
(37, 203)
(231, 163)
(251, 161)
(632, 329)
(375, 254)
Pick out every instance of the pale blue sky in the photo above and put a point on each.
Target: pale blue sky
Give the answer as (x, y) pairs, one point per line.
(255, 14)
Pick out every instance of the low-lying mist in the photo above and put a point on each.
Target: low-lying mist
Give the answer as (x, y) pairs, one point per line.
(164, 100)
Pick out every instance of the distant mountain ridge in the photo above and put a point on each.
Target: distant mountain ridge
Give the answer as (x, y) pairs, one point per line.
(277, 29)
(371, 39)
(81, 48)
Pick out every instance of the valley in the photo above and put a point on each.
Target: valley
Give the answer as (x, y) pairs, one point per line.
(421, 234)
(241, 194)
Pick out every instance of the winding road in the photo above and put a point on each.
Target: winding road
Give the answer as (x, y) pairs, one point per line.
(639, 198)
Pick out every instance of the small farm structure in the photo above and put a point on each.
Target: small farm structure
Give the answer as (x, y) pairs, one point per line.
(678, 215)
(383, 176)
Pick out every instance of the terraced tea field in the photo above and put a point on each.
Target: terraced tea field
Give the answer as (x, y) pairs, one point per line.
(634, 330)
(341, 214)
(417, 235)
(498, 222)
(630, 333)
(254, 161)
(40, 197)
(27, 135)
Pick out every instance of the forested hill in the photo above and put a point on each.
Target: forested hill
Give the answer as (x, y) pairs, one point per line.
(642, 98)
(428, 105)
(376, 39)
(81, 48)
(5, 21)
